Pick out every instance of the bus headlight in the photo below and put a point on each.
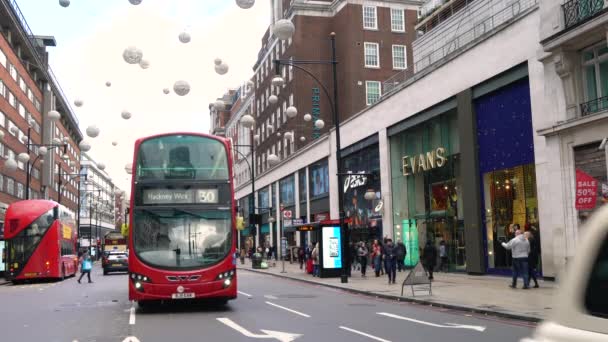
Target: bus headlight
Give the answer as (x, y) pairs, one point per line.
(137, 285)
(226, 275)
(227, 282)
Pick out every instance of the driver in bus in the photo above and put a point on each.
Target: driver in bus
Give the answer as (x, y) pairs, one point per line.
(180, 166)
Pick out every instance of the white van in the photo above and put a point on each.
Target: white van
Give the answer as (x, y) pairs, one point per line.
(581, 312)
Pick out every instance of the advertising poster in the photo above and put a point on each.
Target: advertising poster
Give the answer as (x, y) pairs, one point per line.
(320, 180)
(332, 253)
(586, 191)
(410, 239)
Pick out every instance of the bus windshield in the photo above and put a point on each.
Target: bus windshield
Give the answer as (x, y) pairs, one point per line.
(182, 157)
(22, 246)
(182, 238)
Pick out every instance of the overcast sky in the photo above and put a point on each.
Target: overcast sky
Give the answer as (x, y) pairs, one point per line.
(91, 36)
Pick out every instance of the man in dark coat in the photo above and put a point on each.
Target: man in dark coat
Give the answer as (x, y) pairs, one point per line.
(532, 257)
(401, 252)
(429, 258)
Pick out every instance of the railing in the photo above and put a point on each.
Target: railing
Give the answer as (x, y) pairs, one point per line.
(32, 46)
(479, 31)
(594, 106)
(577, 11)
(394, 81)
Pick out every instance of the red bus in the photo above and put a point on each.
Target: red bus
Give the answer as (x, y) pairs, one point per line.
(182, 219)
(41, 241)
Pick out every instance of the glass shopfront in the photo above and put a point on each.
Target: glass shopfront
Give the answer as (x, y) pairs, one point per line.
(362, 197)
(507, 168)
(426, 187)
(287, 199)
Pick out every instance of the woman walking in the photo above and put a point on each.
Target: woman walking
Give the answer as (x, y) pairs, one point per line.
(86, 265)
(377, 257)
(362, 254)
(315, 260)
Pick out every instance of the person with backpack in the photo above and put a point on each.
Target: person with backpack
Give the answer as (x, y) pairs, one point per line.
(86, 265)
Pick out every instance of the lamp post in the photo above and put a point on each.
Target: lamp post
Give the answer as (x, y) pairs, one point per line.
(334, 107)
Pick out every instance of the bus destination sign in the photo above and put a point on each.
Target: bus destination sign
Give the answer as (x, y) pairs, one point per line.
(180, 196)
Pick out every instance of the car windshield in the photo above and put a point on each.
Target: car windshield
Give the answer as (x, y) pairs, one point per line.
(182, 239)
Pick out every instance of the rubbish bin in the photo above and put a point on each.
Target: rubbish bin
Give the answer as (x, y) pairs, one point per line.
(256, 260)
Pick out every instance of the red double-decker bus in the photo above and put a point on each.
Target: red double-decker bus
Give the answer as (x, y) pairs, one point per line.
(41, 241)
(182, 219)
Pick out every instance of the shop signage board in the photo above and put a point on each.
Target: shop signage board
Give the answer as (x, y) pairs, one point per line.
(424, 161)
(287, 214)
(586, 191)
(354, 181)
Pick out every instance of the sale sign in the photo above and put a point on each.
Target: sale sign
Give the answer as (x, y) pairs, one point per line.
(586, 191)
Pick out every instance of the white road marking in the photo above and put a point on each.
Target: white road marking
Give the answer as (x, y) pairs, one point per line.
(270, 297)
(244, 294)
(288, 309)
(268, 334)
(447, 325)
(364, 334)
(132, 316)
(131, 339)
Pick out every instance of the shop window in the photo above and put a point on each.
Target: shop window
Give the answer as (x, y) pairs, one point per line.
(592, 161)
(287, 190)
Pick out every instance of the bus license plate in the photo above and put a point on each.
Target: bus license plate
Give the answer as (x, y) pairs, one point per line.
(182, 295)
(117, 265)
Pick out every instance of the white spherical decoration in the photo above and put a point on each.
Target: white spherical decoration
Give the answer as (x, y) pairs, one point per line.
(222, 69)
(247, 121)
(56, 141)
(273, 160)
(284, 29)
(166, 91)
(85, 146)
(92, 131)
(302, 139)
(278, 81)
(319, 124)
(132, 55)
(78, 103)
(14, 130)
(43, 151)
(114, 143)
(24, 139)
(64, 3)
(307, 117)
(217, 61)
(101, 166)
(273, 99)
(245, 4)
(23, 157)
(291, 112)
(10, 165)
(144, 64)
(108, 84)
(135, 2)
(181, 88)
(1, 135)
(256, 137)
(125, 114)
(219, 105)
(129, 168)
(289, 135)
(279, 134)
(184, 37)
(54, 115)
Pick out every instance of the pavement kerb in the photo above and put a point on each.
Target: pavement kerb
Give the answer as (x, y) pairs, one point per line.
(464, 308)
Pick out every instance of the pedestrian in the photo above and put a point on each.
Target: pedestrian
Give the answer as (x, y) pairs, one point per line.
(520, 249)
(315, 261)
(532, 257)
(353, 256)
(377, 257)
(362, 254)
(267, 251)
(86, 265)
(301, 256)
(443, 256)
(242, 256)
(429, 257)
(390, 260)
(401, 252)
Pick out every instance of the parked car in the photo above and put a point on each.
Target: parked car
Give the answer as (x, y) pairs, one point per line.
(115, 262)
(581, 313)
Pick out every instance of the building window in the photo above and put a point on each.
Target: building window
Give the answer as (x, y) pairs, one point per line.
(3, 89)
(10, 186)
(397, 20)
(1, 183)
(595, 78)
(13, 71)
(2, 119)
(21, 109)
(2, 58)
(370, 18)
(372, 58)
(372, 92)
(20, 191)
(399, 57)
(11, 99)
(37, 104)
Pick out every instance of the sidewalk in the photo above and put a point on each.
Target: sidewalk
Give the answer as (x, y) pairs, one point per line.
(481, 294)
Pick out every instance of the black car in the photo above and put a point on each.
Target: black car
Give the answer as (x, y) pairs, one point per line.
(116, 262)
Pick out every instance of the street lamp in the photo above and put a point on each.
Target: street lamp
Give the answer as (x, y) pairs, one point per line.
(284, 29)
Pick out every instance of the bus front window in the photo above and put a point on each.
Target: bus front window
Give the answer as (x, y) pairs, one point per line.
(182, 239)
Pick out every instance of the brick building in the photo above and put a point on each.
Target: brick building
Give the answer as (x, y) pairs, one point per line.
(28, 91)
